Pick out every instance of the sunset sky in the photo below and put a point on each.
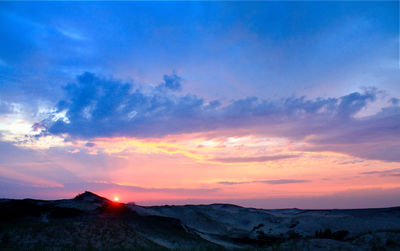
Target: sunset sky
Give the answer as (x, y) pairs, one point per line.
(264, 104)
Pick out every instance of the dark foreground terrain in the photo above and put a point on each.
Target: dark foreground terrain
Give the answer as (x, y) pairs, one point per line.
(90, 222)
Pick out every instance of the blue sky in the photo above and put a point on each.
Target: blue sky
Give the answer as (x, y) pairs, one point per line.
(262, 49)
(294, 80)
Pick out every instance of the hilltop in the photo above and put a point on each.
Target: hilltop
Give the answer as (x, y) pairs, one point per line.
(89, 221)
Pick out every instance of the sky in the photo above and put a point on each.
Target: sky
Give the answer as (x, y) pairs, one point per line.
(261, 104)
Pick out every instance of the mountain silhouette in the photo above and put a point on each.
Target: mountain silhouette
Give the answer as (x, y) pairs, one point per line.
(90, 197)
(90, 221)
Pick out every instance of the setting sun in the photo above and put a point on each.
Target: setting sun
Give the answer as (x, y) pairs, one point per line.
(116, 199)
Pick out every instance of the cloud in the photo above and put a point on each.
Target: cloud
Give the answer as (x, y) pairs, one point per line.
(253, 159)
(19, 188)
(234, 182)
(350, 162)
(361, 198)
(271, 182)
(379, 150)
(97, 186)
(395, 101)
(53, 166)
(26, 172)
(100, 107)
(282, 181)
(5, 107)
(90, 144)
(392, 172)
(96, 107)
(71, 34)
(171, 82)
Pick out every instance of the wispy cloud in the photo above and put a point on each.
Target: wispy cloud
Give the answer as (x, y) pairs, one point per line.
(254, 159)
(132, 188)
(72, 34)
(391, 172)
(271, 182)
(351, 162)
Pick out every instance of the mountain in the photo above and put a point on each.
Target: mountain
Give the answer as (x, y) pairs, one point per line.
(91, 197)
(92, 222)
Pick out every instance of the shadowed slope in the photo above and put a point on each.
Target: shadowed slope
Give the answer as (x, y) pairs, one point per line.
(90, 221)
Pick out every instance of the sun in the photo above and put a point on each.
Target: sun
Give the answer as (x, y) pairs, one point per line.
(116, 199)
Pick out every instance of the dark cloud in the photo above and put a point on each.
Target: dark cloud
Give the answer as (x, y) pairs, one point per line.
(392, 172)
(254, 159)
(90, 144)
(271, 182)
(104, 107)
(171, 82)
(379, 150)
(233, 182)
(395, 101)
(282, 181)
(353, 103)
(100, 107)
(350, 162)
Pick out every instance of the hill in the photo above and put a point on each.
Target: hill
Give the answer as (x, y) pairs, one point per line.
(92, 222)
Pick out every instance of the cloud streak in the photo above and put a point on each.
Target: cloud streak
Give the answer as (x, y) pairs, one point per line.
(131, 188)
(253, 159)
(395, 172)
(271, 182)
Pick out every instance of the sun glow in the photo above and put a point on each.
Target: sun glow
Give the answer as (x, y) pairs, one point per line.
(116, 199)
